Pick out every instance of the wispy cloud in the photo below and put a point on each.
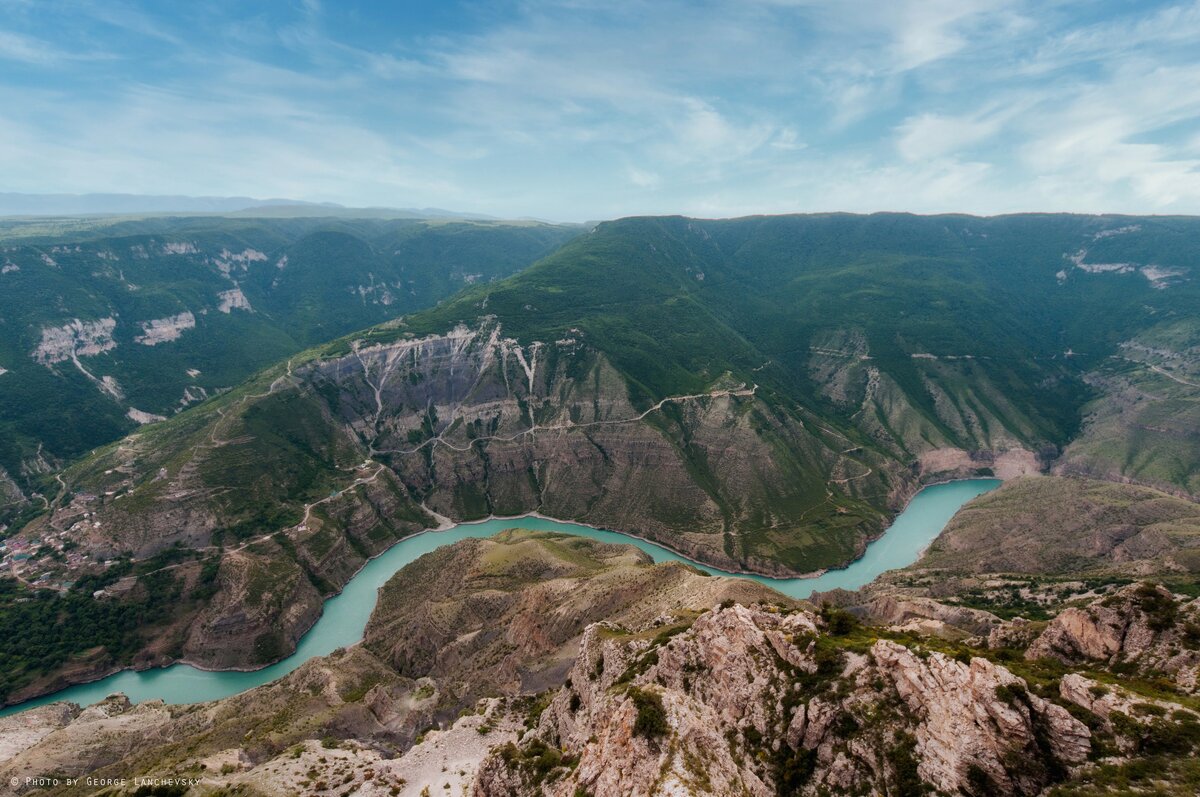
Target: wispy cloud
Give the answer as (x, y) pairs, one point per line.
(582, 109)
(31, 50)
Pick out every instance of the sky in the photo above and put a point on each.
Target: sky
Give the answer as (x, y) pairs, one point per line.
(577, 110)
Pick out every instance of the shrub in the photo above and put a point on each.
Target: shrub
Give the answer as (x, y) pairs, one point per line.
(651, 722)
(1160, 608)
(838, 622)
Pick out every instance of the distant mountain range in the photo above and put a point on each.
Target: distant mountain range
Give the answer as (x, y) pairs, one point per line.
(17, 204)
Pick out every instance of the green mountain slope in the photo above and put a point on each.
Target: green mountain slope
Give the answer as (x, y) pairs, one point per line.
(758, 393)
(985, 328)
(106, 328)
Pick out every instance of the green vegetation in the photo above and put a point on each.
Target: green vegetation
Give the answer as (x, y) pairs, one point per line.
(906, 781)
(870, 340)
(1153, 776)
(1160, 608)
(677, 302)
(537, 761)
(883, 335)
(651, 721)
(41, 630)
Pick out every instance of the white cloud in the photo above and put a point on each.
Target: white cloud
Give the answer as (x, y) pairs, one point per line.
(31, 50)
(932, 135)
(642, 178)
(581, 108)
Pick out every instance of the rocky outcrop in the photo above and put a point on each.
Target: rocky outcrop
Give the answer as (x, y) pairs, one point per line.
(94, 737)
(1136, 724)
(657, 698)
(959, 463)
(1144, 627)
(143, 418)
(11, 495)
(973, 718)
(232, 299)
(74, 340)
(165, 330)
(19, 732)
(347, 694)
(1017, 633)
(923, 614)
(1105, 700)
(264, 604)
(755, 701)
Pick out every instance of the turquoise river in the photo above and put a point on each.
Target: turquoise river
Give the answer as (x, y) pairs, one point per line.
(345, 616)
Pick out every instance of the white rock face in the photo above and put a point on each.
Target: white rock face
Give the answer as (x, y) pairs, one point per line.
(74, 340)
(110, 386)
(233, 299)
(227, 261)
(1103, 700)
(137, 416)
(965, 723)
(1161, 277)
(191, 395)
(179, 249)
(164, 330)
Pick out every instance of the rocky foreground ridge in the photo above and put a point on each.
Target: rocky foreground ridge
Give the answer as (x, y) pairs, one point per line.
(542, 664)
(752, 700)
(493, 618)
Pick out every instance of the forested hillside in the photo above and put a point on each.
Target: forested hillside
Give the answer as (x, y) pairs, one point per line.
(106, 326)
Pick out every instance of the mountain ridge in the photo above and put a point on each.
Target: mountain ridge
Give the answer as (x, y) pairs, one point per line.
(826, 368)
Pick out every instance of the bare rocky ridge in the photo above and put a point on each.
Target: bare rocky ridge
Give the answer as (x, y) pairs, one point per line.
(165, 330)
(751, 701)
(841, 364)
(1034, 547)
(74, 340)
(478, 424)
(154, 315)
(494, 638)
(10, 491)
(1141, 425)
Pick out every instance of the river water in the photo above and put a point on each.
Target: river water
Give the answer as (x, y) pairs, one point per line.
(345, 616)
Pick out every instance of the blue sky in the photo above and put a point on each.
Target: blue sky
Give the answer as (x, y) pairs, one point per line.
(582, 109)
